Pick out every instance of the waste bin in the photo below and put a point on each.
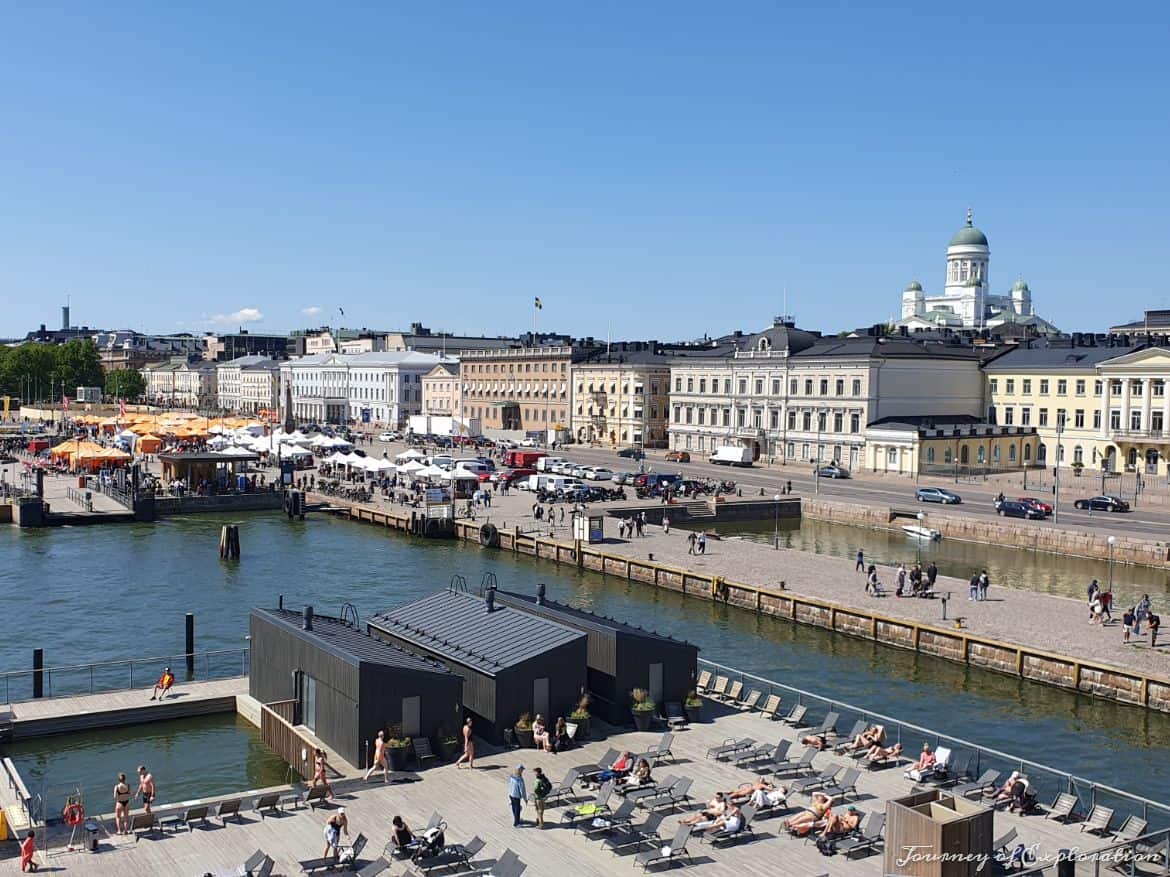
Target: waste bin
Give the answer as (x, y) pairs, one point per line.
(91, 835)
(81, 481)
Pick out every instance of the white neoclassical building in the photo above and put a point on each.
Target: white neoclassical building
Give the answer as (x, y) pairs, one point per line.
(966, 301)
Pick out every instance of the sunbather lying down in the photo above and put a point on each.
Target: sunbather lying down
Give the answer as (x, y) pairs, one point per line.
(816, 741)
(715, 808)
(874, 735)
(880, 753)
(761, 793)
(813, 817)
(838, 824)
(731, 821)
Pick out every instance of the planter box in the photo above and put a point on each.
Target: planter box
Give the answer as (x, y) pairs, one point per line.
(642, 719)
(396, 756)
(524, 738)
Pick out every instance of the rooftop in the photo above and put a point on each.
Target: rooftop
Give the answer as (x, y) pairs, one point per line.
(581, 618)
(458, 626)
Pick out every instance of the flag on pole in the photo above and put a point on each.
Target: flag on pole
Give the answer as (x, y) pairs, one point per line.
(539, 304)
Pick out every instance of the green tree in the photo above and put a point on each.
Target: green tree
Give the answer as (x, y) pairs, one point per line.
(77, 364)
(125, 383)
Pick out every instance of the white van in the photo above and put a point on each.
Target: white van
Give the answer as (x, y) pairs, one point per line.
(545, 464)
(476, 467)
(560, 482)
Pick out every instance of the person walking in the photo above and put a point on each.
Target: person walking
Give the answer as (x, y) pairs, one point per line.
(1094, 588)
(931, 576)
(973, 592)
(28, 849)
(319, 765)
(122, 805)
(702, 542)
(146, 787)
(517, 793)
(665, 524)
(692, 538)
(1106, 604)
(379, 758)
(1127, 624)
(984, 584)
(1140, 614)
(1154, 623)
(468, 747)
(901, 579)
(860, 561)
(540, 789)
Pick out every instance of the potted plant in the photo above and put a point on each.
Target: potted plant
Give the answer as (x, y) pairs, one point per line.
(642, 706)
(523, 730)
(1077, 466)
(449, 745)
(397, 747)
(580, 718)
(693, 706)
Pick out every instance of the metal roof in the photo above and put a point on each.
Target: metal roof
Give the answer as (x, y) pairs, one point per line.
(459, 627)
(582, 618)
(352, 643)
(1058, 356)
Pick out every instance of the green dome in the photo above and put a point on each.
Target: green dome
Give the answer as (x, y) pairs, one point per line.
(914, 286)
(969, 235)
(1020, 286)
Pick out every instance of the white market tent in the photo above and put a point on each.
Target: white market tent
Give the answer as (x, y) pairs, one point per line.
(412, 454)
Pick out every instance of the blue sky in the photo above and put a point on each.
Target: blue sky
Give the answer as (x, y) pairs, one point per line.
(649, 170)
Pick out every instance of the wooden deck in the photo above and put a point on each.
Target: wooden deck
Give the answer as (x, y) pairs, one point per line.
(59, 715)
(474, 803)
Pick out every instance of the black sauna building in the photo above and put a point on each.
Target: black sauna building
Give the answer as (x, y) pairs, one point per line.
(621, 657)
(511, 661)
(348, 684)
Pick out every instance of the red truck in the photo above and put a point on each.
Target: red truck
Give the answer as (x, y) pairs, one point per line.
(521, 459)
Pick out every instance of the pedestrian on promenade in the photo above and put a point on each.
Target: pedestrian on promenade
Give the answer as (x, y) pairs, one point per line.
(335, 825)
(319, 765)
(1140, 614)
(665, 523)
(379, 758)
(789, 487)
(1127, 624)
(517, 793)
(984, 584)
(540, 789)
(639, 522)
(28, 848)
(122, 806)
(931, 576)
(146, 788)
(860, 561)
(1094, 589)
(901, 580)
(702, 542)
(1106, 599)
(468, 747)
(973, 593)
(1155, 623)
(692, 538)
(562, 514)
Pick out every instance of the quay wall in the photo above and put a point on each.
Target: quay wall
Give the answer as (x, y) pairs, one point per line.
(952, 644)
(1042, 537)
(241, 502)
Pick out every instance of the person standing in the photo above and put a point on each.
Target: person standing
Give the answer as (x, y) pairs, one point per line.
(860, 561)
(335, 826)
(379, 758)
(702, 542)
(1141, 614)
(122, 806)
(973, 591)
(146, 787)
(517, 793)
(1154, 622)
(1094, 588)
(28, 848)
(901, 580)
(1127, 624)
(984, 584)
(931, 576)
(540, 789)
(692, 537)
(665, 524)
(468, 747)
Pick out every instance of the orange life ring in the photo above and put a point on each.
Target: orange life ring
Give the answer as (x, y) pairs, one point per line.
(73, 814)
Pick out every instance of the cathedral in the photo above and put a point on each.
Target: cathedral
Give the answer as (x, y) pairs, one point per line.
(966, 302)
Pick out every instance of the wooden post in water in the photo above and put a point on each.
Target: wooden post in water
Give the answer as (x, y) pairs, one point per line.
(190, 640)
(38, 672)
(229, 542)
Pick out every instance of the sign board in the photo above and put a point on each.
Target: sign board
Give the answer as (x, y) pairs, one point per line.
(596, 529)
(365, 415)
(435, 496)
(286, 472)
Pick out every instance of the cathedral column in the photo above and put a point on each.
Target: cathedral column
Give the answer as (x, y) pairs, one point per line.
(1125, 392)
(1105, 408)
(1147, 402)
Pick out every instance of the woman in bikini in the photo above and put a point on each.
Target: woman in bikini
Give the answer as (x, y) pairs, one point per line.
(468, 747)
(319, 772)
(814, 817)
(122, 806)
(380, 758)
(881, 753)
(540, 735)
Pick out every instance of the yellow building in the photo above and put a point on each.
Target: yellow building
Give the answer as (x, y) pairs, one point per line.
(621, 395)
(1097, 403)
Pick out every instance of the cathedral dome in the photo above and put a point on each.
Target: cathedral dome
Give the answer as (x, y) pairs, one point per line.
(969, 235)
(913, 286)
(1020, 286)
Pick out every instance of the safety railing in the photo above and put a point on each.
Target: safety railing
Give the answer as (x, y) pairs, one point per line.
(83, 498)
(1046, 781)
(67, 681)
(17, 789)
(1146, 855)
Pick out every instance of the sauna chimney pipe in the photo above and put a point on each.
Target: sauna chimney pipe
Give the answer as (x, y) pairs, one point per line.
(307, 620)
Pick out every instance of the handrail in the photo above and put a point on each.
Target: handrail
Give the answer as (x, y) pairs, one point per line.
(1072, 783)
(15, 782)
(1114, 855)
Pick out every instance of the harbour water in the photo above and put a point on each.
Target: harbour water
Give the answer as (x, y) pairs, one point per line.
(87, 594)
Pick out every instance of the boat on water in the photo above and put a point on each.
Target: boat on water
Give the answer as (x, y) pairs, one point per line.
(920, 532)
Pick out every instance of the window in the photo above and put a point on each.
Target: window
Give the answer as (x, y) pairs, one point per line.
(678, 414)
(995, 385)
(1027, 386)
(775, 386)
(806, 421)
(892, 456)
(804, 454)
(702, 411)
(856, 386)
(824, 386)
(757, 418)
(808, 386)
(948, 458)
(1079, 418)
(774, 419)
(1135, 419)
(1025, 417)
(1079, 455)
(690, 385)
(792, 385)
(1044, 417)
(688, 413)
(726, 416)
(1096, 420)
(838, 423)
(792, 420)
(822, 417)
(1159, 388)
(1080, 387)
(1115, 388)
(1010, 385)
(1115, 420)
(791, 450)
(702, 385)
(995, 453)
(855, 423)
(1011, 453)
(1098, 387)
(678, 385)
(1062, 387)
(981, 456)
(743, 386)
(840, 388)
(759, 386)
(727, 386)
(1008, 415)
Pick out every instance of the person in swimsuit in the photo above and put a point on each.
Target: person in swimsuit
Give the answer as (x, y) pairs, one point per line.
(319, 764)
(335, 826)
(122, 806)
(468, 747)
(540, 735)
(714, 809)
(28, 848)
(146, 787)
(812, 818)
(380, 758)
(163, 685)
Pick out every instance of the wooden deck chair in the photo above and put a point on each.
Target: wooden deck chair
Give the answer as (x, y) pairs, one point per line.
(1097, 822)
(749, 703)
(771, 706)
(704, 682)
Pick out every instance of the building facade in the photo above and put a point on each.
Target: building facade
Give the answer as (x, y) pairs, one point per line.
(621, 395)
(1098, 403)
(519, 389)
(178, 383)
(224, 347)
(248, 384)
(382, 389)
(440, 391)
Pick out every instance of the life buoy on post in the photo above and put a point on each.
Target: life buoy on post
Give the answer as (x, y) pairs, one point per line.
(489, 536)
(73, 814)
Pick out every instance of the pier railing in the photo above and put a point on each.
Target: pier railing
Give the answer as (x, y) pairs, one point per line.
(66, 681)
(1046, 781)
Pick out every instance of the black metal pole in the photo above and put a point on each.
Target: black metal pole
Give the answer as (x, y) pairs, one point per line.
(190, 643)
(38, 672)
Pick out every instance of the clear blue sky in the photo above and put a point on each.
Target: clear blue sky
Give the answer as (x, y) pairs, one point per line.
(648, 169)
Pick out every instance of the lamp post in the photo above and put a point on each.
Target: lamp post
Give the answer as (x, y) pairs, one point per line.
(1056, 471)
(776, 536)
(1111, 540)
(918, 542)
(817, 470)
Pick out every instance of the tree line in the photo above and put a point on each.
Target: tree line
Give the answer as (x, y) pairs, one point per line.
(36, 372)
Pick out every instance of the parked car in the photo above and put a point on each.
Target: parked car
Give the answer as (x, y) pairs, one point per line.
(832, 471)
(580, 471)
(599, 473)
(937, 494)
(1011, 508)
(1037, 504)
(1103, 503)
(631, 453)
(623, 478)
(529, 443)
(678, 457)
(387, 437)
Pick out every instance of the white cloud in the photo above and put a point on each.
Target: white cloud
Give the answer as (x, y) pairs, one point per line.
(311, 311)
(243, 315)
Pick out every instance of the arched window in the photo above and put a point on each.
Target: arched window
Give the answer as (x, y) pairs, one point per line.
(1011, 453)
(930, 455)
(1027, 453)
(995, 453)
(981, 455)
(1079, 455)
(892, 456)
(1041, 453)
(1133, 456)
(963, 455)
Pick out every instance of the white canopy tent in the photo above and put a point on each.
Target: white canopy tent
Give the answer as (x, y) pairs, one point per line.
(412, 454)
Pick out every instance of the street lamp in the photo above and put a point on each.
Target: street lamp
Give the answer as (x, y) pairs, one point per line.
(918, 542)
(1056, 470)
(1111, 540)
(776, 538)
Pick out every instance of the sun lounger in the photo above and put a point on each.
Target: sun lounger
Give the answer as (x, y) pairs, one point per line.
(771, 706)
(656, 788)
(315, 796)
(1133, 827)
(603, 824)
(723, 837)
(229, 810)
(796, 717)
(1097, 822)
(844, 784)
(942, 757)
(267, 804)
(186, 819)
(671, 853)
(858, 728)
(507, 865)
(589, 773)
(374, 868)
(810, 784)
(672, 797)
(729, 747)
(661, 749)
(718, 691)
(632, 836)
(421, 751)
(311, 865)
(1000, 847)
(1062, 808)
(562, 790)
(453, 856)
(749, 703)
(590, 809)
(704, 682)
(676, 717)
(828, 728)
(259, 864)
(146, 823)
(801, 765)
(779, 750)
(986, 781)
(866, 839)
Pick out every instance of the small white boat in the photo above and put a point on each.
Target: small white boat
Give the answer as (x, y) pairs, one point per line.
(920, 532)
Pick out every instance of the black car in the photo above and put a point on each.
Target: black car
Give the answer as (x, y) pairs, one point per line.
(631, 453)
(1104, 503)
(1013, 509)
(832, 471)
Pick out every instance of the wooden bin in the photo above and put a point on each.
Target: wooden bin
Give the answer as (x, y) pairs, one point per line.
(936, 834)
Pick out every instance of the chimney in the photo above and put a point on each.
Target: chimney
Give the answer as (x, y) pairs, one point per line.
(307, 618)
(540, 594)
(65, 316)
(490, 598)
